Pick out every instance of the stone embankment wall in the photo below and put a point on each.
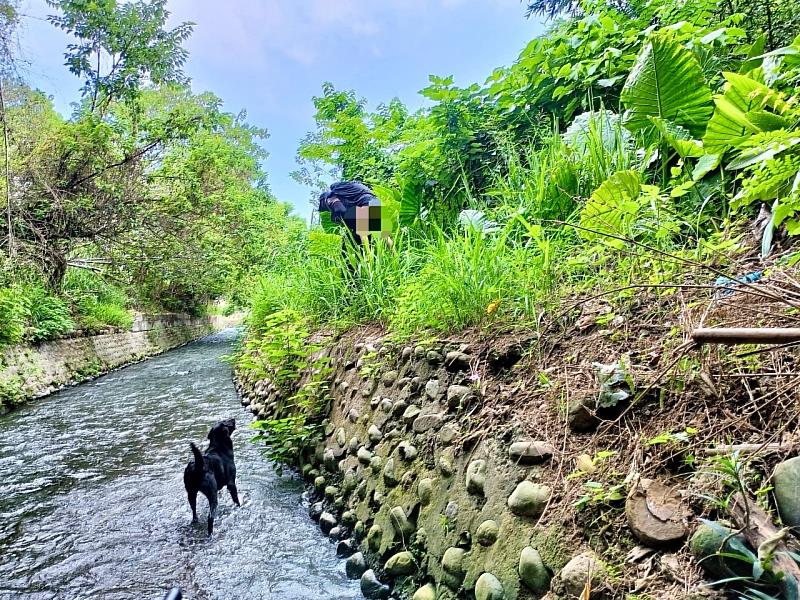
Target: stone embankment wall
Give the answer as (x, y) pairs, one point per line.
(419, 507)
(32, 371)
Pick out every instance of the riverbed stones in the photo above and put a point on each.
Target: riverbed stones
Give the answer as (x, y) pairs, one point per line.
(419, 352)
(451, 510)
(399, 408)
(401, 564)
(375, 464)
(349, 481)
(476, 477)
(389, 378)
(369, 388)
(341, 437)
(406, 353)
(407, 451)
(335, 533)
(457, 395)
(389, 474)
(319, 483)
(372, 588)
(427, 422)
(571, 580)
(315, 511)
(327, 522)
(374, 537)
(453, 567)
(447, 434)
(529, 499)
(400, 522)
(353, 415)
(487, 532)
(532, 571)
(488, 587)
(445, 465)
(374, 434)
(432, 389)
(349, 518)
(329, 460)
(656, 514)
(364, 456)
(530, 452)
(385, 405)
(411, 413)
(355, 566)
(346, 548)
(786, 481)
(426, 592)
(359, 530)
(580, 415)
(352, 445)
(456, 361)
(425, 490)
(331, 491)
(433, 357)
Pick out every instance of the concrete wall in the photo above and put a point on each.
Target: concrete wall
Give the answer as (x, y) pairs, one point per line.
(32, 371)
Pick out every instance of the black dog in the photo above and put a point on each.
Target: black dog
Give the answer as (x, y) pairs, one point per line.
(210, 472)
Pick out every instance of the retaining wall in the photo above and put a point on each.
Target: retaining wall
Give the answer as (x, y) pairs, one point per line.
(37, 370)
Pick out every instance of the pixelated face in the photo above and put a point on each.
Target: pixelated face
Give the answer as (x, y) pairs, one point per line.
(367, 220)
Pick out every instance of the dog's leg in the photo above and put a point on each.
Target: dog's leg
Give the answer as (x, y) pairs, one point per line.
(234, 493)
(193, 503)
(212, 512)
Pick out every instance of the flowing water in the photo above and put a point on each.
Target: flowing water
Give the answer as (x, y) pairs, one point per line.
(92, 503)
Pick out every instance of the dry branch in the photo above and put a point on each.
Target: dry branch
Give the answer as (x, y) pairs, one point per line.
(746, 335)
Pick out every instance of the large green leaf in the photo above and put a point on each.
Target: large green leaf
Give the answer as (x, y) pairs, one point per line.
(613, 207)
(666, 82)
(739, 112)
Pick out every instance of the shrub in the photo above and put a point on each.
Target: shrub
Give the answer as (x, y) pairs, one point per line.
(14, 313)
(49, 316)
(98, 303)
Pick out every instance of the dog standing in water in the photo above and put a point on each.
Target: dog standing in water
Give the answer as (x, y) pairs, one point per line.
(209, 472)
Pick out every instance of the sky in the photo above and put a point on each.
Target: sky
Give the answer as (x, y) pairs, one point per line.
(270, 57)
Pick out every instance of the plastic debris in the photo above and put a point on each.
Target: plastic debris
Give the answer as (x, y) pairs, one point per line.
(729, 285)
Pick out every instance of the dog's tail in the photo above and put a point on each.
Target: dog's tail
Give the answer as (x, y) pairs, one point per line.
(198, 457)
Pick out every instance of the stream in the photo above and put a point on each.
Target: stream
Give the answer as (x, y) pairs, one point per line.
(92, 503)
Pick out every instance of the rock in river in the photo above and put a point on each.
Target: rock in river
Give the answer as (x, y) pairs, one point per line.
(371, 587)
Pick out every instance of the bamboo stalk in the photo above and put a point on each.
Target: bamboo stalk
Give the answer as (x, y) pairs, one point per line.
(744, 335)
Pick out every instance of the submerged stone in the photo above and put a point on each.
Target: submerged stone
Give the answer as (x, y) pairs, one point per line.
(346, 548)
(355, 566)
(327, 522)
(372, 588)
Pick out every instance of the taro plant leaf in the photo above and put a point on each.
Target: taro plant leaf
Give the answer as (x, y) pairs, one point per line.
(678, 137)
(735, 113)
(410, 207)
(763, 152)
(666, 82)
(613, 207)
(705, 164)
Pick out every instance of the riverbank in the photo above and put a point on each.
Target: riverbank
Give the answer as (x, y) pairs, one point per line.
(33, 371)
(590, 458)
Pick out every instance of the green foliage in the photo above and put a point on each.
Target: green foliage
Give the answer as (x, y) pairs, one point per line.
(285, 439)
(49, 315)
(666, 82)
(98, 303)
(14, 315)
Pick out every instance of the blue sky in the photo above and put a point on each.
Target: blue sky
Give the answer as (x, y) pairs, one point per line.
(270, 57)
